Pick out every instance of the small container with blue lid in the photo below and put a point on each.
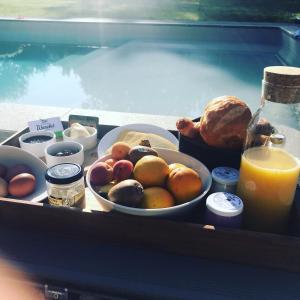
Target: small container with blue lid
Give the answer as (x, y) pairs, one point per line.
(224, 179)
(223, 209)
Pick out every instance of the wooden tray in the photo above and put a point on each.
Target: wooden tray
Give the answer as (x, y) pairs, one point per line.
(184, 237)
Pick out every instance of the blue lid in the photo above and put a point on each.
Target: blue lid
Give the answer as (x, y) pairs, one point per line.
(224, 204)
(225, 175)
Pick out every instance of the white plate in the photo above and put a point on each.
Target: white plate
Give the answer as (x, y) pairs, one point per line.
(112, 136)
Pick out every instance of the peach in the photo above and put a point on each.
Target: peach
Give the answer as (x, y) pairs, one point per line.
(120, 150)
(157, 197)
(122, 170)
(111, 162)
(101, 174)
(184, 183)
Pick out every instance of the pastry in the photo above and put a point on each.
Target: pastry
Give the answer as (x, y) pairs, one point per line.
(224, 122)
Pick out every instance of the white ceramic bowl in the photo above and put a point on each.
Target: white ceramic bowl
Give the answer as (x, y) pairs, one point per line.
(169, 156)
(88, 143)
(52, 150)
(10, 156)
(37, 149)
(111, 137)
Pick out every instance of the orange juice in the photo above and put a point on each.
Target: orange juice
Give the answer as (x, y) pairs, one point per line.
(267, 184)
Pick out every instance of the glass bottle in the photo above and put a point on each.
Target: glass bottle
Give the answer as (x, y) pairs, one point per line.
(270, 163)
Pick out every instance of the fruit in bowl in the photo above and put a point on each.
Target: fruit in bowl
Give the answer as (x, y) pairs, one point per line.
(101, 174)
(137, 152)
(122, 170)
(157, 197)
(146, 191)
(129, 192)
(151, 170)
(184, 183)
(120, 150)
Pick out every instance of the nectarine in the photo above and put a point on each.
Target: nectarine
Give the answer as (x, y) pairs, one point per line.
(184, 183)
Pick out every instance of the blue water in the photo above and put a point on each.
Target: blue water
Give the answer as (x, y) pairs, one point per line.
(152, 78)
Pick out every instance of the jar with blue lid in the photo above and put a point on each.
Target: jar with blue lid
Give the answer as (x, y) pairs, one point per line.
(225, 179)
(223, 209)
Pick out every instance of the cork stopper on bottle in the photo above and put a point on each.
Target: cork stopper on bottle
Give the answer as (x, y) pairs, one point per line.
(281, 84)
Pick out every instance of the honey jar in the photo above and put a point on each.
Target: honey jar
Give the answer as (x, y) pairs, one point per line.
(65, 185)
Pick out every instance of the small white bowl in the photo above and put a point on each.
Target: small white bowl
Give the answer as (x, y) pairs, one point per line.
(10, 156)
(37, 149)
(52, 150)
(88, 142)
(170, 156)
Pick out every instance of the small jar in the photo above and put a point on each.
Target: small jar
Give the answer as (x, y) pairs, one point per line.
(224, 179)
(223, 209)
(65, 185)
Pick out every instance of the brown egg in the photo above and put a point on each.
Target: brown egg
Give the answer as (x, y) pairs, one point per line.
(3, 188)
(3, 171)
(17, 169)
(22, 185)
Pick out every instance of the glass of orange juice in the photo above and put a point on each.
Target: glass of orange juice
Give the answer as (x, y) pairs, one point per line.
(267, 184)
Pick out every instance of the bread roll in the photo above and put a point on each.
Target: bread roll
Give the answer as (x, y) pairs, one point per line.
(224, 122)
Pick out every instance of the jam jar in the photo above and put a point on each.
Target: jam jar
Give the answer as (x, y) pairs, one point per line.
(223, 209)
(224, 179)
(65, 185)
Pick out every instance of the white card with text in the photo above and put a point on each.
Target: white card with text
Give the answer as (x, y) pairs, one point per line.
(52, 124)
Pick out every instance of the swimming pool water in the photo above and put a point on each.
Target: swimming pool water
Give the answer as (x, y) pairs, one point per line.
(141, 77)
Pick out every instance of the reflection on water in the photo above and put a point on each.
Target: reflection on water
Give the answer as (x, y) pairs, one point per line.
(40, 74)
(170, 79)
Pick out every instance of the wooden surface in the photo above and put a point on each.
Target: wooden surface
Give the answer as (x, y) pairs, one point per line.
(177, 237)
(131, 272)
(185, 237)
